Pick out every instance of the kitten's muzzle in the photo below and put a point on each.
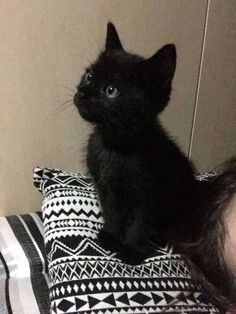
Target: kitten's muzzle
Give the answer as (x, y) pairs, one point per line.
(78, 98)
(81, 103)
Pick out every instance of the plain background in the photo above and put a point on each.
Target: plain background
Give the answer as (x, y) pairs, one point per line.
(45, 46)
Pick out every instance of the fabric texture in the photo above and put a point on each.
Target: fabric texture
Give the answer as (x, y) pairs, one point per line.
(85, 278)
(23, 268)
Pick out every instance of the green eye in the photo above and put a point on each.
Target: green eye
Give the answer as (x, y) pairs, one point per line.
(111, 91)
(88, 77)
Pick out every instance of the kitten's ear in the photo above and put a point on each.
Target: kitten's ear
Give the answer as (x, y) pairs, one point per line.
(164, 63)
(112, 41)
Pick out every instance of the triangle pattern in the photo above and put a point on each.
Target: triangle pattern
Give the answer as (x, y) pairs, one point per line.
(124, 299)
(169, 298)
(156, 298)
(110, 299)
(182, 297)
(79, 303)
(92, 301)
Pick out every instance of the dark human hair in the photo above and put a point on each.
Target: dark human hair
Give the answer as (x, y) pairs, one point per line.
(205, 256)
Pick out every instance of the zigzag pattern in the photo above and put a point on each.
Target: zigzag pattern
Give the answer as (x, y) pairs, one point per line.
(73, 181)
(66, 180)
(64, 234)
(113, 269)
(71, 213)
(79, 250)
(74, 258)
(49, 190)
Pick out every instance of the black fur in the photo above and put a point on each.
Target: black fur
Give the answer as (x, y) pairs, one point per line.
(145, 183)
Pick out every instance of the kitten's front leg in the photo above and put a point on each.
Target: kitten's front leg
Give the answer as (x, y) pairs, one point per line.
(108, 241)
(113, 232)
(136, 247)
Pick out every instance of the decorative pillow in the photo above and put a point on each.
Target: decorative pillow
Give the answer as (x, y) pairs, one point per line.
(85, 278)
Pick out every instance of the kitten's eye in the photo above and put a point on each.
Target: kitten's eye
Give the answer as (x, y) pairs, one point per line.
(111, 91)
(88, 77)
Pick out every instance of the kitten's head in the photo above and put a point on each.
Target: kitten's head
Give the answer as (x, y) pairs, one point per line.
(123, 89)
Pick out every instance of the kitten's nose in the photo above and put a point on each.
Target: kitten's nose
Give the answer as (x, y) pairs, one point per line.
(80, 94)
(78, 97)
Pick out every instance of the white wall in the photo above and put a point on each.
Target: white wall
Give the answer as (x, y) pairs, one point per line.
(45, 45)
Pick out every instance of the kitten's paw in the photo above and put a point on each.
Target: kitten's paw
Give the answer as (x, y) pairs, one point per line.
(131, 256)
(108, 241)
(134, 253)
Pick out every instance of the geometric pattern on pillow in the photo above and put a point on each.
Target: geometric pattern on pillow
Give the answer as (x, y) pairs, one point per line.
(85, 278)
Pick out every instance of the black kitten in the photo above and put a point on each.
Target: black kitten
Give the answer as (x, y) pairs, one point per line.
(145, 183)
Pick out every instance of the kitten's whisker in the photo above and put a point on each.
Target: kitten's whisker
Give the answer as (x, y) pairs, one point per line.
(63, 109)
(66, 87)
(67, 101)
(64, 105)
(60, 103)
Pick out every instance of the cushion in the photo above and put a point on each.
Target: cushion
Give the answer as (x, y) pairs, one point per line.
(85, 278)
(23, 268)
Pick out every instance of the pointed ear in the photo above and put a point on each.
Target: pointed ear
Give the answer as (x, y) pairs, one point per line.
(112, 41)
(163, 62)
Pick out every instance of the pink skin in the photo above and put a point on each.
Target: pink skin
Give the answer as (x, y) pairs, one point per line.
(230, 240)
(230, 236)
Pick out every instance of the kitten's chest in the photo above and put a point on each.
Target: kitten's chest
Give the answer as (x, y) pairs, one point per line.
(103, 162)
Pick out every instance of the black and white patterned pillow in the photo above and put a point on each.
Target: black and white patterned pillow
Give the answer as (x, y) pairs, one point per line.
(85, 278)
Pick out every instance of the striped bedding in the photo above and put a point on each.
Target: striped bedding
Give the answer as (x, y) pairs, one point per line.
(23, 271)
